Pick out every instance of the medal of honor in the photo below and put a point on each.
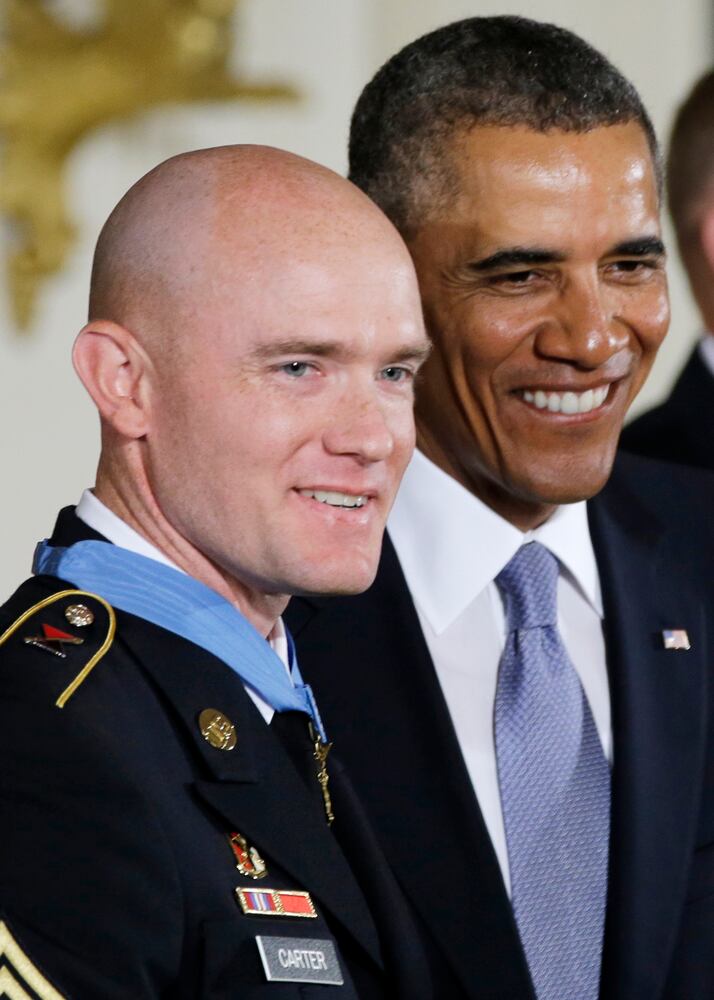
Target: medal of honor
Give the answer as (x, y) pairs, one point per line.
(320, 752)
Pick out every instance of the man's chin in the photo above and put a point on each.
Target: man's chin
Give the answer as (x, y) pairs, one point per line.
(337, 580)
(529, 498)
(555, 490)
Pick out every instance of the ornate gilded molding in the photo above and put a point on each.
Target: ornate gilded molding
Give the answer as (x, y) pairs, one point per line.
(59, 82)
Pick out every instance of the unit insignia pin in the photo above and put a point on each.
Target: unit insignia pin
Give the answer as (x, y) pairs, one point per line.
(53, 640)
(276, 902)
(79, 615)
(248, 861)
(217, 729)
(675, 638)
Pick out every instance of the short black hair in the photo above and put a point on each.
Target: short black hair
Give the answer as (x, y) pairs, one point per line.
(690, 163)
(480, 71)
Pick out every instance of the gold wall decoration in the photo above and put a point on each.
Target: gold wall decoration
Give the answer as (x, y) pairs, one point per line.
(58, 82)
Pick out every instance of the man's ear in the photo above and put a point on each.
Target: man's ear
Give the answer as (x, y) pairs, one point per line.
(113, 368)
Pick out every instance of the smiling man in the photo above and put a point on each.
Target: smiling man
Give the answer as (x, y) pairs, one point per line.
(166, 791)
(536, 763)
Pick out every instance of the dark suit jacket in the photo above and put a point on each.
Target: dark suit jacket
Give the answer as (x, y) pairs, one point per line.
(653, 536)
(681, 429)
(116, 875)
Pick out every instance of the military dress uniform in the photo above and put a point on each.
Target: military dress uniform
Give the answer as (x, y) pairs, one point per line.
(158, 838)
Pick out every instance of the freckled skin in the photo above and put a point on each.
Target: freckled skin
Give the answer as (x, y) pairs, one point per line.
(235, 435)
(587, 308)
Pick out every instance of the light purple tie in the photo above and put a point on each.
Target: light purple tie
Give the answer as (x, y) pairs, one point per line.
(555, 787)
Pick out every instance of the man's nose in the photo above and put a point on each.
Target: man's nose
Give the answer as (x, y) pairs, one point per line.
(584, 328)
(359, 427)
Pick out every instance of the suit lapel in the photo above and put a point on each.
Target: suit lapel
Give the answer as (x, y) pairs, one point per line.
(658, 721)
(408, 767)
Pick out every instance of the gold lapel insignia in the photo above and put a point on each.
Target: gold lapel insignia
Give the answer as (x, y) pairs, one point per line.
(217, 729)
(248, 861)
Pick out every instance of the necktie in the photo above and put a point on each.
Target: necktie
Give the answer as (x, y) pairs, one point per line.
(555, 788)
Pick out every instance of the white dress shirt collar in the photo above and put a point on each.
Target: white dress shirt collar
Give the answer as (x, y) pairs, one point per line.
(98, 516)
(469, 544)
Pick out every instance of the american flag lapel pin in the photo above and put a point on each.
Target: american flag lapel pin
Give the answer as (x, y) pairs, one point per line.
(675, 638)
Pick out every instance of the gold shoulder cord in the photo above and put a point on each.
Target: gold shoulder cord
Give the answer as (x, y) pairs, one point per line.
(91, 664)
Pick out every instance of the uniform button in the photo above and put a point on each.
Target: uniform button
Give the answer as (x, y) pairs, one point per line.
(217, 729)
(78, 614)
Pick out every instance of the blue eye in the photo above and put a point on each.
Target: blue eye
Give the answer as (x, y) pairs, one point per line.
(296, 368)
(394, 374)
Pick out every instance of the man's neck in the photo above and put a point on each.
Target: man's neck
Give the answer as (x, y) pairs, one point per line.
(526, 515)
(143, 516)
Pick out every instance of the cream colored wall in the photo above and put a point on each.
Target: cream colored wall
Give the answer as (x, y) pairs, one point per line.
(328, 49)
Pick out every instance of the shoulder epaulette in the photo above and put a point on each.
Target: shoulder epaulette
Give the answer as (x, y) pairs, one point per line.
(54, 640)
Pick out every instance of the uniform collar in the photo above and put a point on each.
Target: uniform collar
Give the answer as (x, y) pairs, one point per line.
(468, 544)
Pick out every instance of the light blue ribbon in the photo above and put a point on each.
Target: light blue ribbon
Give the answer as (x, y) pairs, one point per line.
(179, 603)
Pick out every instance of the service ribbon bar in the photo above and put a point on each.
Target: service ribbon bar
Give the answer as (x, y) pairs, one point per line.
(276, 902)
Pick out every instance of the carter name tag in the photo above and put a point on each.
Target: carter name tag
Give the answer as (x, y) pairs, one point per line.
(299, 960)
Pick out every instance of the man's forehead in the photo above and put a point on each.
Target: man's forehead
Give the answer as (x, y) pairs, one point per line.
(560, 195)
(514, 180)
(515, 154)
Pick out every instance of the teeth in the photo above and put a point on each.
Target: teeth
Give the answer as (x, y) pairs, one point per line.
(567, 402)
(334, 499)
(586, 401)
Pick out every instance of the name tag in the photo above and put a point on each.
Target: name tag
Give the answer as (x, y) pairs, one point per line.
(299, 960)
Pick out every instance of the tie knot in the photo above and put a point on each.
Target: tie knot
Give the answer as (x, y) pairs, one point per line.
(528, 586)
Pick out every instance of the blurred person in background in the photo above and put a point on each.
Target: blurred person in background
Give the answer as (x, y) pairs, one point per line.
(681, 429)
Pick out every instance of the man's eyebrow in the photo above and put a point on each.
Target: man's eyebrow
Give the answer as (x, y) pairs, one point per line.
(417, 352)
(516, 257)
(315, 348)
(645, 246)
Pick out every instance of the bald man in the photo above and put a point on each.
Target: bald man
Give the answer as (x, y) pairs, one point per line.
(172, 824)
